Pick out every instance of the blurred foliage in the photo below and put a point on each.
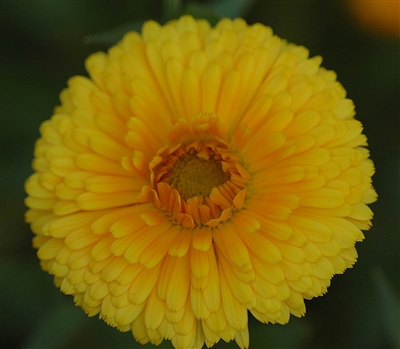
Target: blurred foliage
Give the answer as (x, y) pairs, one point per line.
(390, 306)
(45, 42)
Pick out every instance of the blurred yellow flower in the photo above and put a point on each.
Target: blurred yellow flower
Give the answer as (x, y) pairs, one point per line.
(198, 174)
(379, 16)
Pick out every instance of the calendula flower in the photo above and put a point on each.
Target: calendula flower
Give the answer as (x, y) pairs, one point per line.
(197, 175)
(378, 16)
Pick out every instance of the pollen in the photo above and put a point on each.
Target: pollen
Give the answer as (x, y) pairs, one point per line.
(194, 176)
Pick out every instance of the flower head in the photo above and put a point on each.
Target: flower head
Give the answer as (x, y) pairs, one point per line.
(197, 175)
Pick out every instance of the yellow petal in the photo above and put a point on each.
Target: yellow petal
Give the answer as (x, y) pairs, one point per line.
(143, 285)
(178, 286)
(236, 313)
(154, 313)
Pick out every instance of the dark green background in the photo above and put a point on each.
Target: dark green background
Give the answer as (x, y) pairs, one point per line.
(42, 45)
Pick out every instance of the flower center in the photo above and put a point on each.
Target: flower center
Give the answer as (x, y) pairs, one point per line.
(196, 180)
(194, 176)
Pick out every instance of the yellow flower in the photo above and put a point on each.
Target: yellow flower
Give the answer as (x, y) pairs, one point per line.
(198, 174)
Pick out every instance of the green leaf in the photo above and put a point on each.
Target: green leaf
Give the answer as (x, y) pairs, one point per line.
(390, 306)
(289, 336)
(172, 9)
(232, 8)
(57, 327)
(201, 11)
(112, 36)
